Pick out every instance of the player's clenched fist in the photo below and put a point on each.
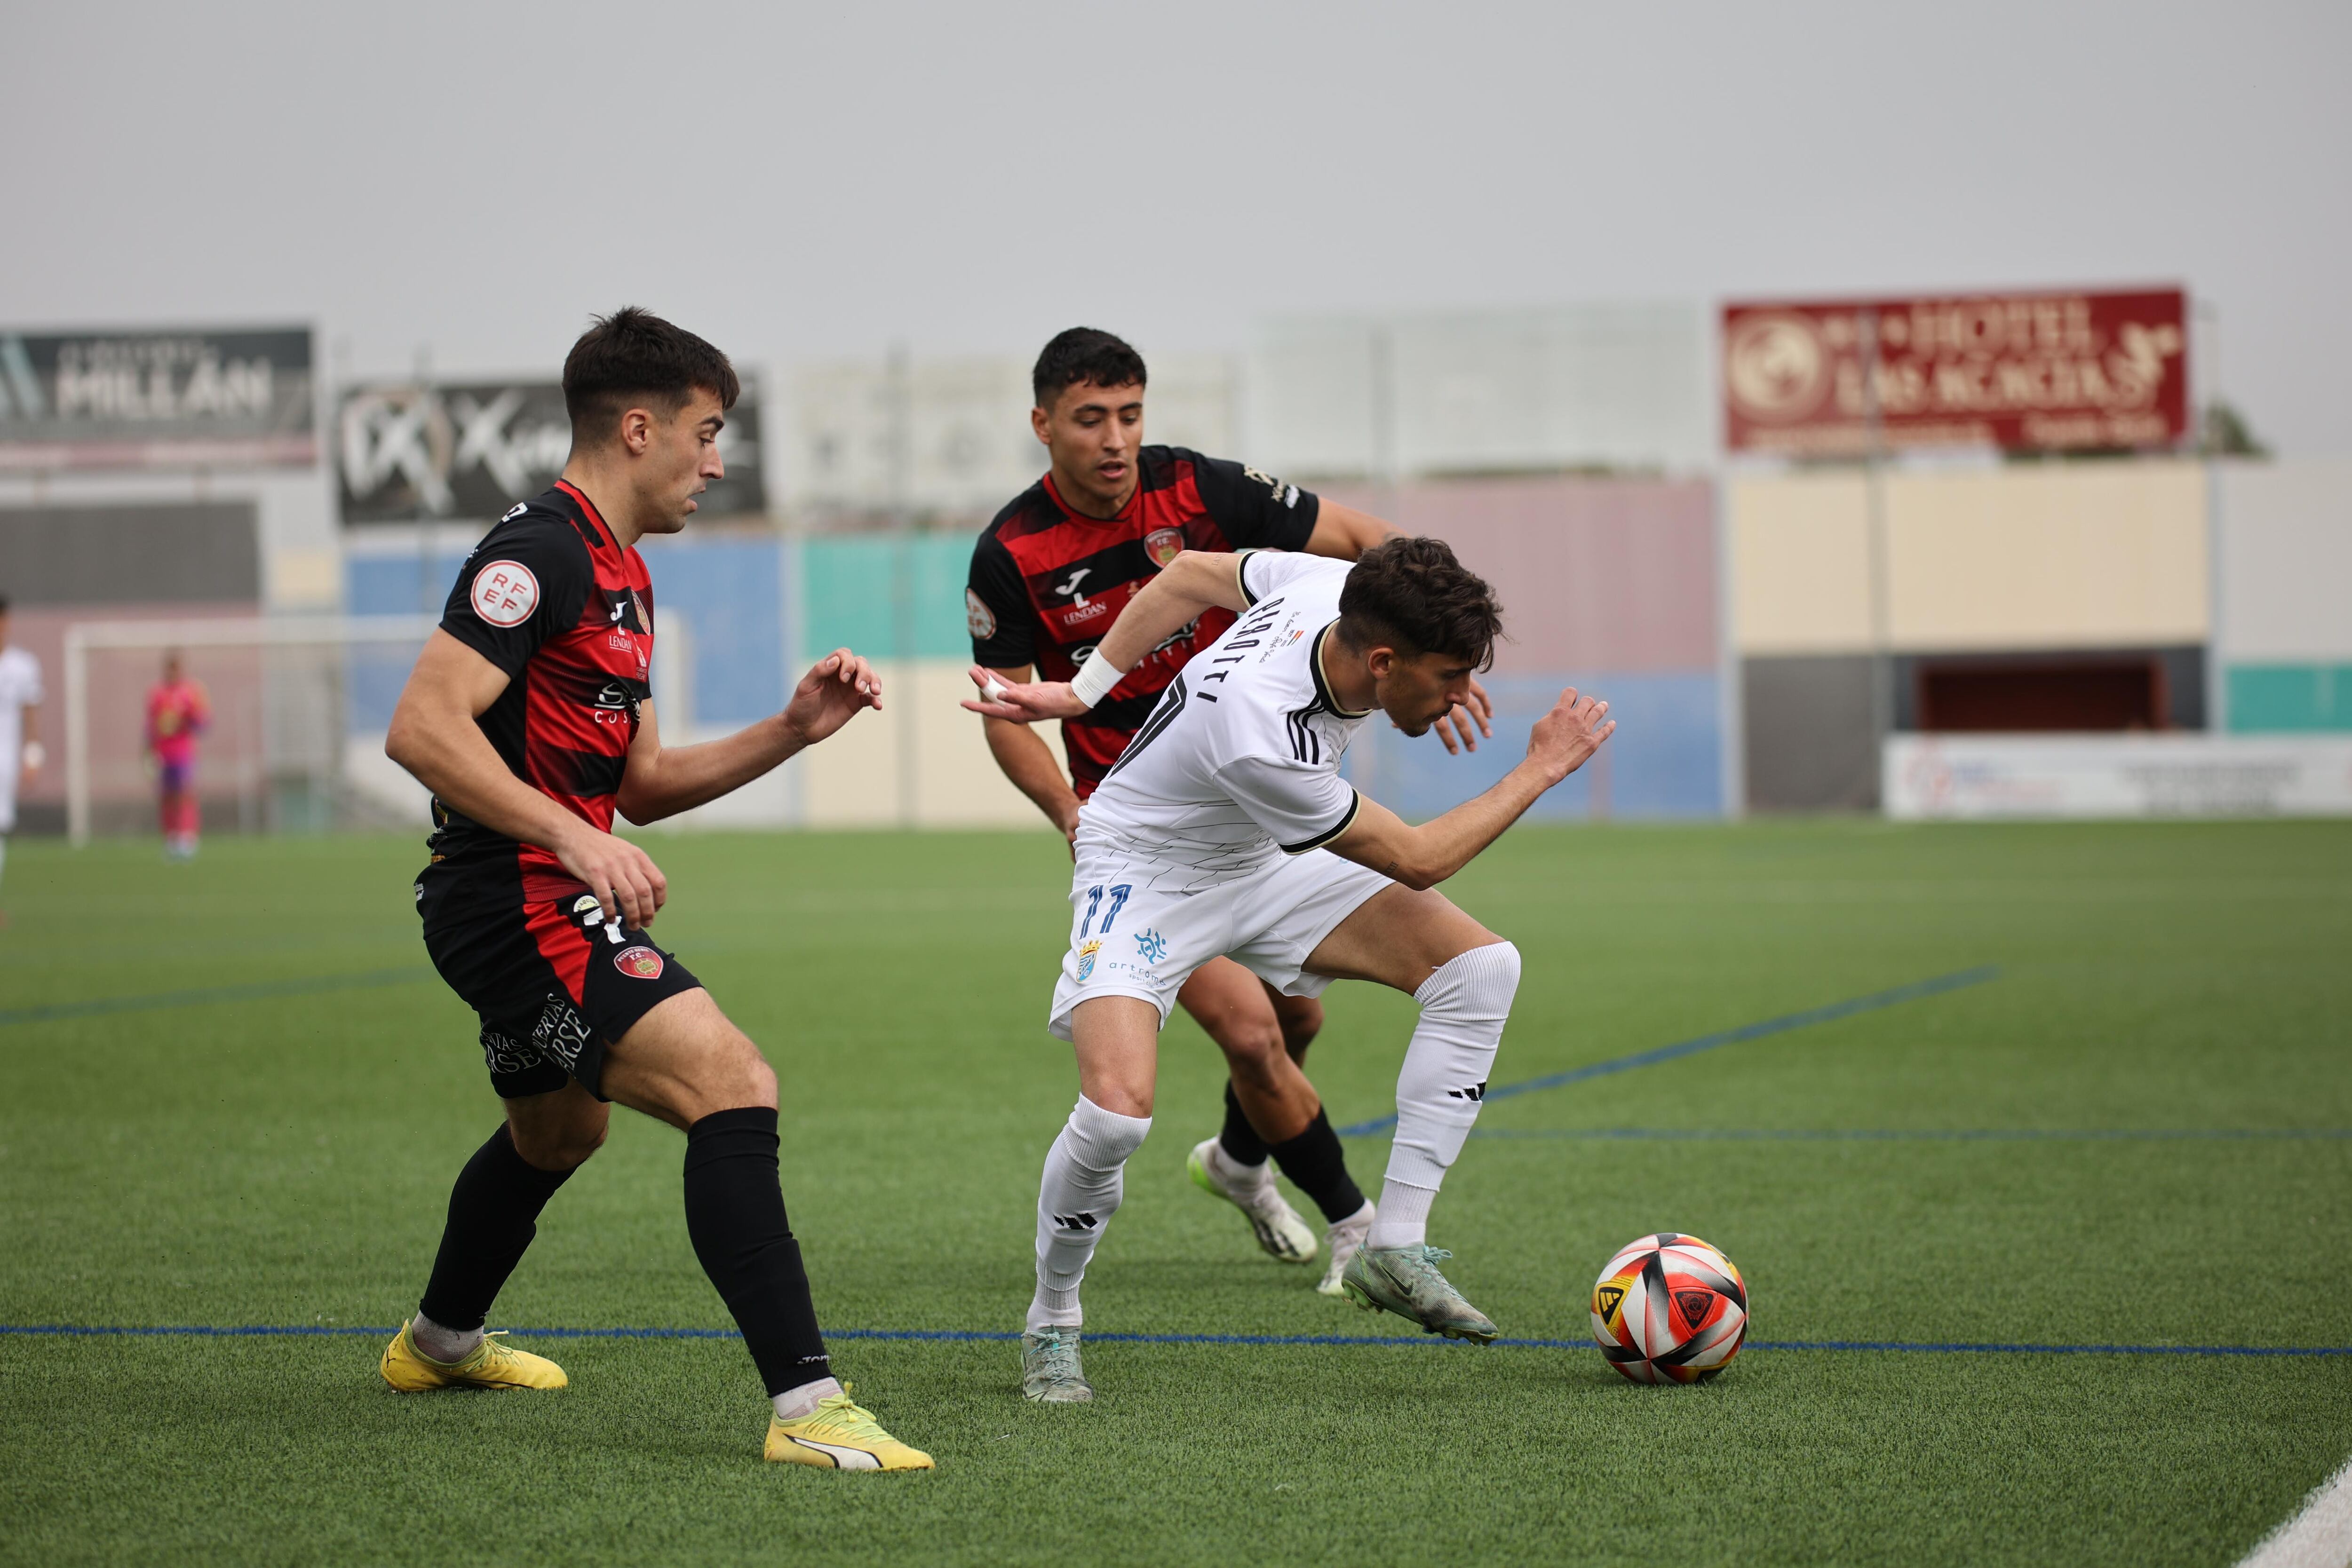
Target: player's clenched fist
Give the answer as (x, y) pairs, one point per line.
(1572, 732)
(623, 877)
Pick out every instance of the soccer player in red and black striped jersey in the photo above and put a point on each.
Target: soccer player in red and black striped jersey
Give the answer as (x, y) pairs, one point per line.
(1049, 575)
(528, 717)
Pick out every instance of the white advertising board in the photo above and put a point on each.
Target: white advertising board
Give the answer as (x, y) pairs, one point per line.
(1969, 777)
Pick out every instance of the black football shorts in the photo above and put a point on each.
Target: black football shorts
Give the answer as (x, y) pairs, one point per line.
(554, 981)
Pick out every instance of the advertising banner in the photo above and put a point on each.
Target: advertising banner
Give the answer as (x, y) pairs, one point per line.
(1980, 776)
(178, 399)
(2046, 372)
(406, 452)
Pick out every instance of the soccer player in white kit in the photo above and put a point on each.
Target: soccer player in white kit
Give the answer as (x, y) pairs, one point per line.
(1204, 838)
(20, 744)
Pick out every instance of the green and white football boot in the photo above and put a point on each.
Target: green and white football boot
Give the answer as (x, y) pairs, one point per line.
(1050, 1372)
(1405, 1280)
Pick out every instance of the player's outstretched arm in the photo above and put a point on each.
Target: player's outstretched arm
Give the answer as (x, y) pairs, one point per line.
(662, 780)
(1195, 582)
(434, 735)
(1025, 758)
(1423, 856)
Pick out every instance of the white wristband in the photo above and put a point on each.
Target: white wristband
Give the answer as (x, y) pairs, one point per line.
(1095, 679)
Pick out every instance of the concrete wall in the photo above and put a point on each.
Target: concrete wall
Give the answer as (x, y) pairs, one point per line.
(950, 437)
(2052, 559)
(1608, 585)
(2284, 547)
(2084, 555)
(1621, 386)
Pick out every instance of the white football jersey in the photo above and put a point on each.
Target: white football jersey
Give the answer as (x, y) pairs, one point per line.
(20, 688)
(1240, 762)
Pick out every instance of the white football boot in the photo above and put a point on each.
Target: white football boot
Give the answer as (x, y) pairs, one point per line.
(1281, 1234)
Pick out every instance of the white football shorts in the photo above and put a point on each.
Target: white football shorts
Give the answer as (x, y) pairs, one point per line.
(1139, 926)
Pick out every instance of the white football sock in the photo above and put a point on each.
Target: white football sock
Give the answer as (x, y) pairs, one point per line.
(1083, 1184)
(1464, 1006)
(442, 1345)
(795, 1403)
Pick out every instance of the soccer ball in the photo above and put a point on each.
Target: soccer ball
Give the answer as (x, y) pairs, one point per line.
(1669, 1308)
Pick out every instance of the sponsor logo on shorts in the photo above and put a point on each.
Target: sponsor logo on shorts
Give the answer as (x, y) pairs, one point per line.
(505, 593)
(639, 963)
(1152, 945)
(1163, 545)
(562, 1032)
(1086, 951)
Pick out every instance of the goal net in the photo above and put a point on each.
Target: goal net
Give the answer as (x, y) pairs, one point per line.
(300, 706)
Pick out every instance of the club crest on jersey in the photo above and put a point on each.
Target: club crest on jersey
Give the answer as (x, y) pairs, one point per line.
(639, 963)
(505, 593)
(1086, 961)
(1163, 546)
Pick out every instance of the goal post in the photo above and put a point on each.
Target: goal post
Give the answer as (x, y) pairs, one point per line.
(295, 700)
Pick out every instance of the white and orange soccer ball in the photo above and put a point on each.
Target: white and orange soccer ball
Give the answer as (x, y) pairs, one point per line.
(1669, 1308)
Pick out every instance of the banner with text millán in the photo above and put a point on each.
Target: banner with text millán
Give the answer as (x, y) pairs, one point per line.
(177, 399)
(2056, 370)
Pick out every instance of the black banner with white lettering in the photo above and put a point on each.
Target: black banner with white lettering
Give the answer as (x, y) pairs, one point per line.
(191, 399)
(410, 453)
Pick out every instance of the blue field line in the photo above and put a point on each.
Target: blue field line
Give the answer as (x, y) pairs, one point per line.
(242, 993)
(1005, 1336)
(1917, 1134)
(1955, 981)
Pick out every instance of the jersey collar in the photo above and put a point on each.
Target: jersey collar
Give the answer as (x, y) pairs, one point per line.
(596, 520)
(1322, 682)
(1125, 513)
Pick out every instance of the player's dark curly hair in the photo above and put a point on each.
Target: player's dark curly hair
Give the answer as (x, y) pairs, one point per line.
(1084, 354)
(1412, 595)
(634, 357)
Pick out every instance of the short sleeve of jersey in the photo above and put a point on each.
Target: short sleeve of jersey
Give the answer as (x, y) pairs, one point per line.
(1303, 807)
(524, 584)
(1254, 510)
(996, 608)
(20, 679)
(1266, 572)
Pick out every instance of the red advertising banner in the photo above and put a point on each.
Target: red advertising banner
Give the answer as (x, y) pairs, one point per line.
(2043, 372)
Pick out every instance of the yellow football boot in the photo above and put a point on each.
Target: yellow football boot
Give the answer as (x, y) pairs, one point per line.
(494, 1364)
(841, 1435)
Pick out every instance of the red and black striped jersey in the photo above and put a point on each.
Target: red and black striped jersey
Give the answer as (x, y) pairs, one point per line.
(1048, 582)
(550, 597)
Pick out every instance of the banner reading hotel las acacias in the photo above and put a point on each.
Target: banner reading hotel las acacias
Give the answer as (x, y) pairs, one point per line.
(2056, 370)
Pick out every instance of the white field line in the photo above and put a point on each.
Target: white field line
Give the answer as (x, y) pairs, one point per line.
(2318, 1537)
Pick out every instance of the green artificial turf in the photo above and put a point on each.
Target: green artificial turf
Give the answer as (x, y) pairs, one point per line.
(282, 1155)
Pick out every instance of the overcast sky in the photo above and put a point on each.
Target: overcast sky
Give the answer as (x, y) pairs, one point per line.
(798, 182)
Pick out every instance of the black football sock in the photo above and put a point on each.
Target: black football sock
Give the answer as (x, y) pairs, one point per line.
(493, 1214)
(1318, 1166)
(735, 1215)
(1240, 1140)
